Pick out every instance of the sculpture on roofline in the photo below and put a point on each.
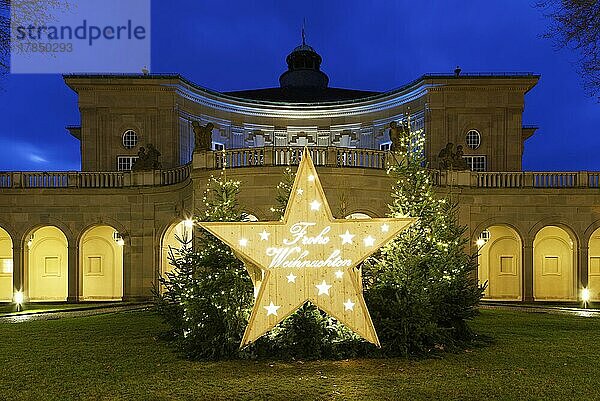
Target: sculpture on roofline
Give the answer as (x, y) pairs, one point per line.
(202, 136)
(450, 160)
(397, 134)
(147, 160)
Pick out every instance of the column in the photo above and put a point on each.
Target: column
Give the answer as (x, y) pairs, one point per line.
(74, 284)
(528, 272)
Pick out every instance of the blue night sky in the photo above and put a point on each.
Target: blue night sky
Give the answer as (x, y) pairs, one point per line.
(371, 45)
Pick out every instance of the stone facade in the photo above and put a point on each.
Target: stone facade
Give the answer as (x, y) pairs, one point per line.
(536, 233)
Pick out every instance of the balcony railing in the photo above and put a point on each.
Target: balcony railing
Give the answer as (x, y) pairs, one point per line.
(526, 179)
(112, 179)
(286, 156)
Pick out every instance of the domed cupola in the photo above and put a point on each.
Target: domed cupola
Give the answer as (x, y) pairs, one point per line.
(304, 69)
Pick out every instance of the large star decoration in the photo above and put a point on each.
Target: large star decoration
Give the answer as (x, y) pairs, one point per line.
(309, 256)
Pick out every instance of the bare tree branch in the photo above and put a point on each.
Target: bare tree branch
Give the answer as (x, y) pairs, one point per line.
(576, 25)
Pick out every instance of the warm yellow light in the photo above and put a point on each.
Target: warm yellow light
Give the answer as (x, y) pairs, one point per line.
(480, 242)
(585, 295)
(189, 223)
(19, 297)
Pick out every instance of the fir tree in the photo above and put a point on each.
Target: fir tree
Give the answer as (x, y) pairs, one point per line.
(421, 290)
(208, 296)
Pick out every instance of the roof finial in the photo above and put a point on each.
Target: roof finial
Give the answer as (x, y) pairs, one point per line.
(303, 31)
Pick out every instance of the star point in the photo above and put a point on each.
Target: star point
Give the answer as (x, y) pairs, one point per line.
(243, 242)
(349, 305)
(385, 228)
(315, 205)
(339, 274)
(311, 178)
(369, 241)
(264, 235)
(323, 288)
(291, 278)
(299, 191)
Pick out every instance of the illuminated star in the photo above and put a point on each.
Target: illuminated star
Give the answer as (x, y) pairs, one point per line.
(369, 241)
(302, 253)
(346, 237)
(272, 309)
(349, 305)
(385, 228)
(323, 288)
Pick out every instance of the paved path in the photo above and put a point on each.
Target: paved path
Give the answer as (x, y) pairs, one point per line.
(557, 310)
(51, 315)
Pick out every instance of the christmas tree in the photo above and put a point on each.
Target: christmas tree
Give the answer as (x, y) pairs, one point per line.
(421, 290)
(206, 299)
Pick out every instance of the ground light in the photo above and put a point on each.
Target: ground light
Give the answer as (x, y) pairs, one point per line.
(19, 298)
(585, 296)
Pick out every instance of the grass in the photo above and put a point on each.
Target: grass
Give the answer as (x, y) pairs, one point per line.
(117, 357)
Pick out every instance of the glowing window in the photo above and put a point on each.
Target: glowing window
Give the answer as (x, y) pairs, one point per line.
(130, 139)
(6, 266)
(473, 139)
(506, 265)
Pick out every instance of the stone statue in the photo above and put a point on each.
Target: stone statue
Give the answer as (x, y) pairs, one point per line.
(202, 136)
(458, 162)
(445, 156)
(448, 159)
(147, 160)
(397, 133)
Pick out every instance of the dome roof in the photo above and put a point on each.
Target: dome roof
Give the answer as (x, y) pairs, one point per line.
(304, 69)
(303, 48)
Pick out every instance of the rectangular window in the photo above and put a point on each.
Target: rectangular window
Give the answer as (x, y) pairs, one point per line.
(385, 146)
(506, 265)
(218, 146)
(124, 163)
(6, 266)
(94, 265)
(476, 163)
(52, 266)
(595, 265)
(551, 265)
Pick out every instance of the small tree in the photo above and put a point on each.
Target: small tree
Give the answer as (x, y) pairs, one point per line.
(421, 290)
(207, 298)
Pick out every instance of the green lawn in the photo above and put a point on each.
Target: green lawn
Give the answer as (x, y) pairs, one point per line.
(117, 357)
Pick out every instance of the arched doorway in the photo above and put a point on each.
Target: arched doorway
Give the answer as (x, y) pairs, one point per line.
(173, 240)
(47, 265)
(101, 264)
(6, 267)
(594, 266)
(553, 265)
(500, 263)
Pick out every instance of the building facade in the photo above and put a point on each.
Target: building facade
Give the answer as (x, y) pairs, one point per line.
(103, 233)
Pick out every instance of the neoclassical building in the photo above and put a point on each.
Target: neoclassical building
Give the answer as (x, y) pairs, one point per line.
(102, 233)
